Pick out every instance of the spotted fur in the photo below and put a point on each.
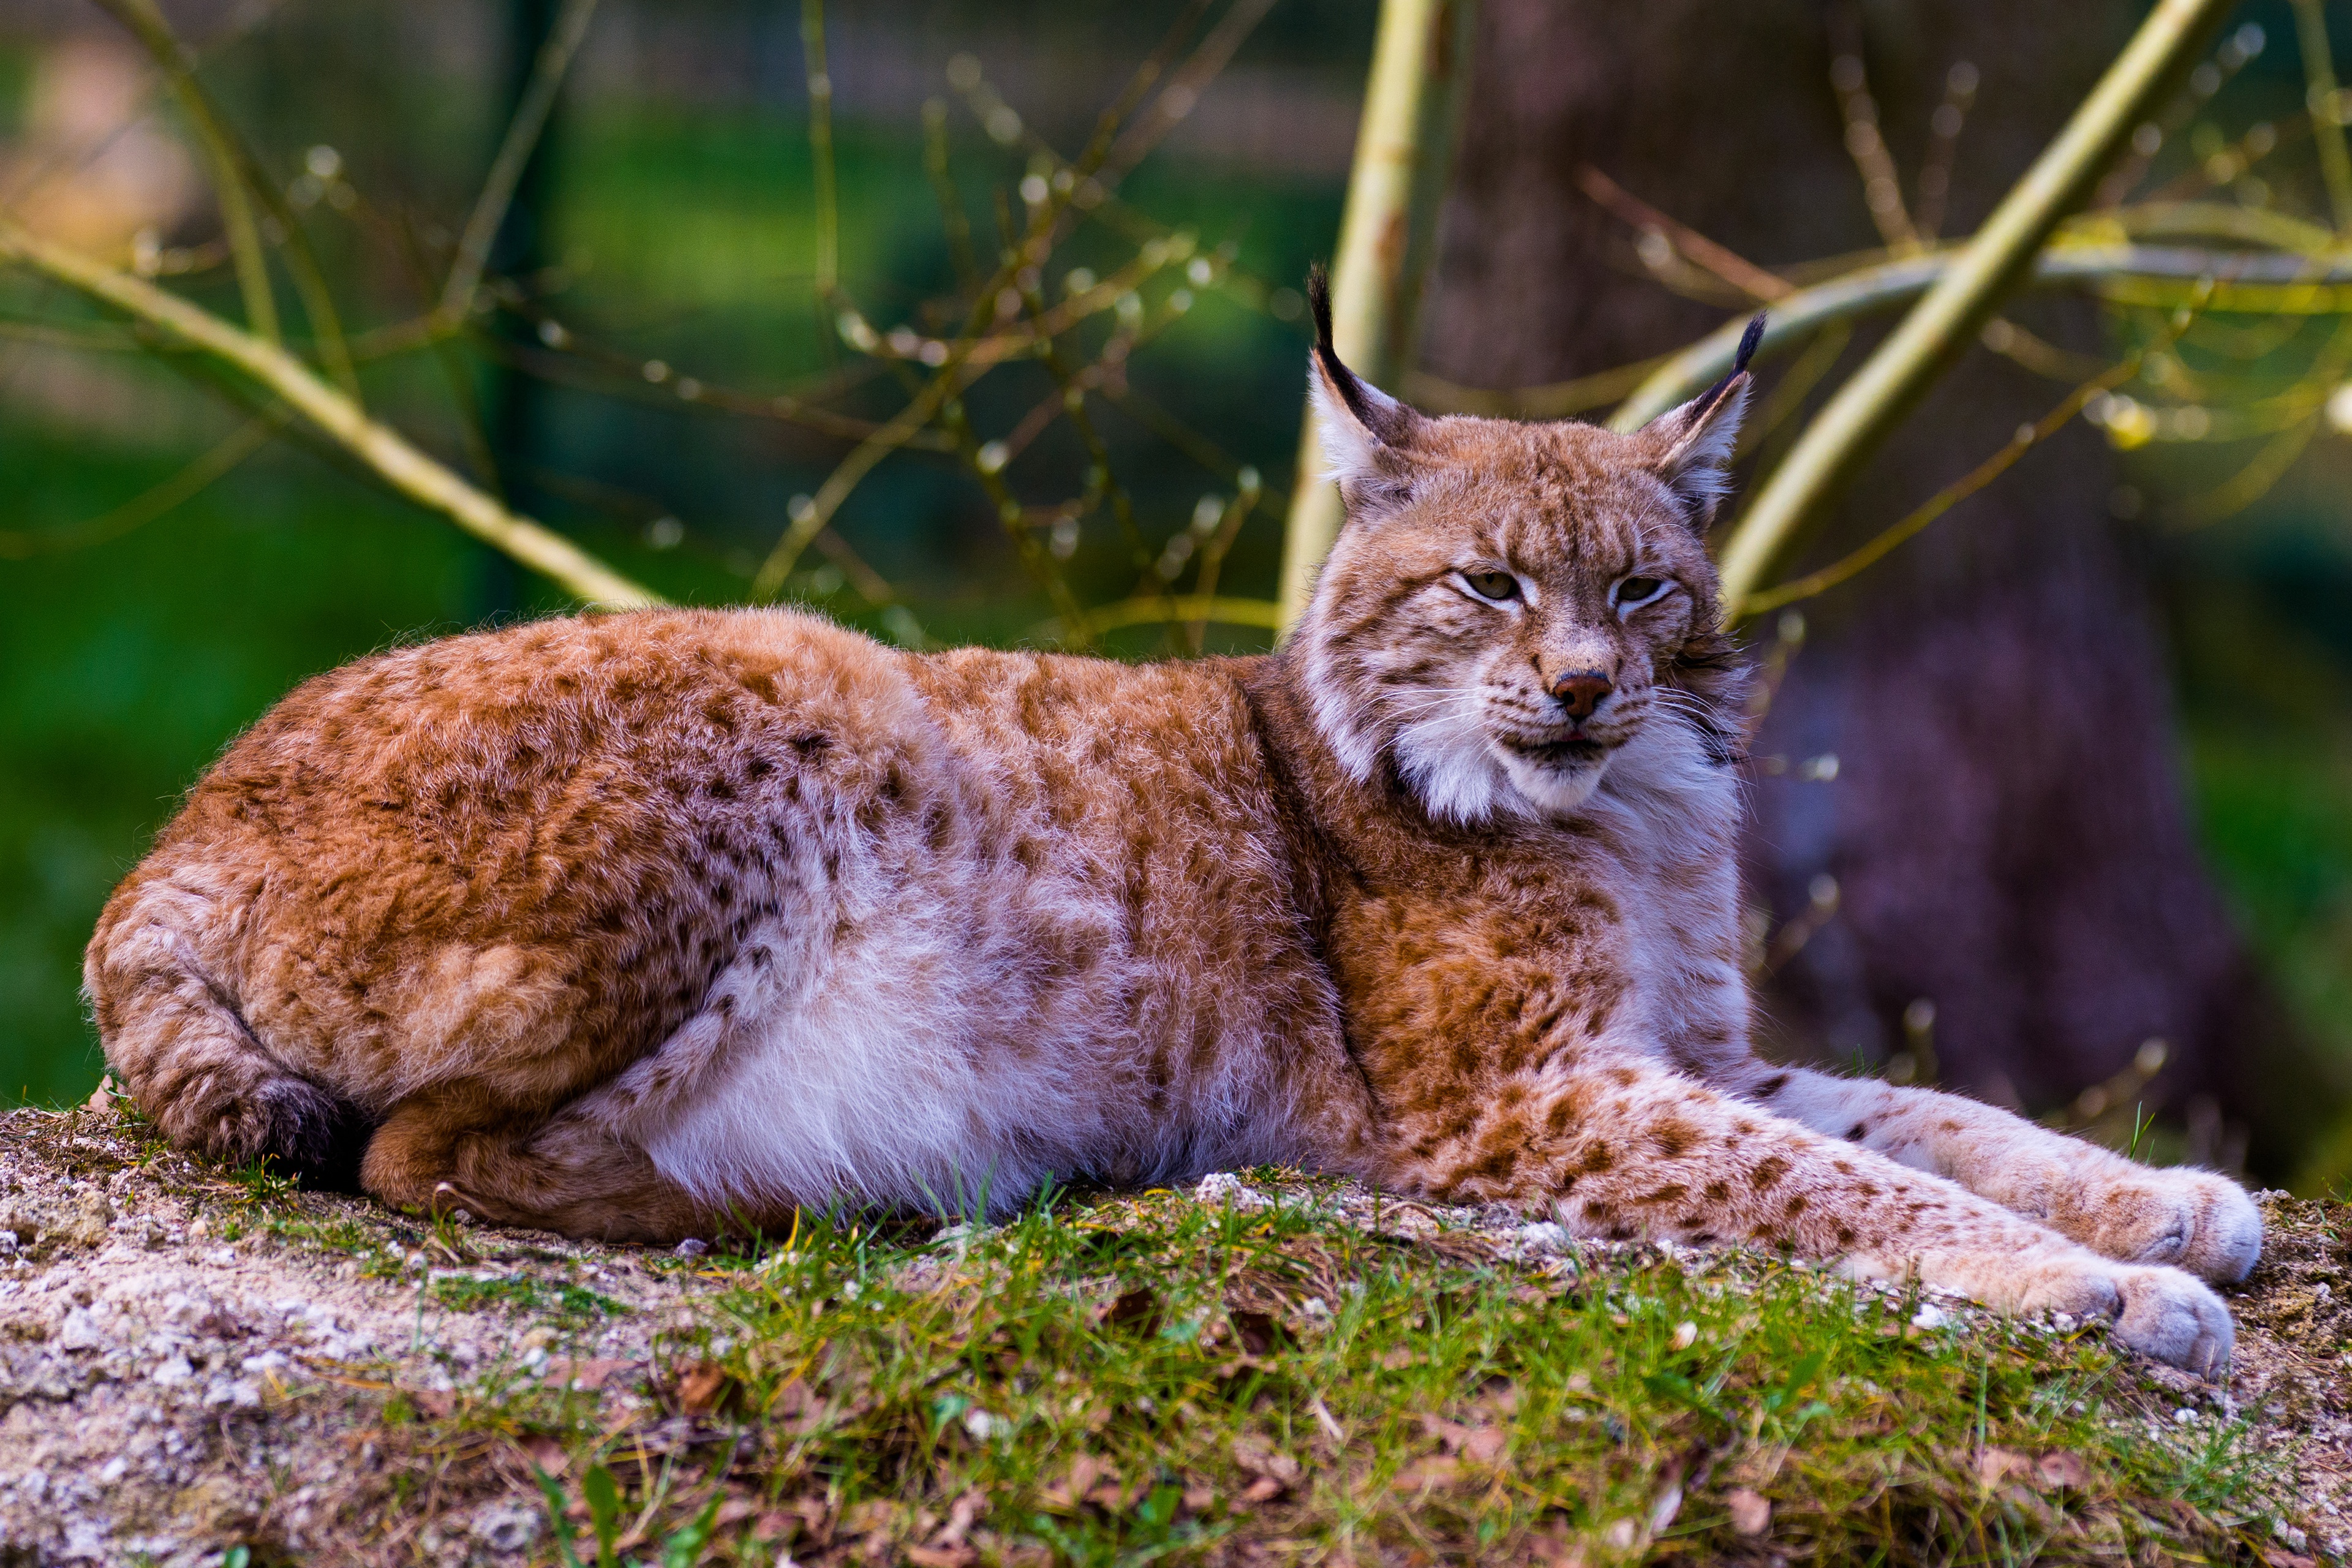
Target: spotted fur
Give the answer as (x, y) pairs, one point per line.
(645, 925)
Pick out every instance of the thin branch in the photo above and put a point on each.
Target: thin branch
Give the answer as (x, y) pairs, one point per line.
(235, 163)
(1262, 613)
(538, 101)
(1867, 409)
(939, 394)
(146, 24)
(2320, 94)
(23, 544)
(2139, 275)
(336, 416)
(1943, 148)
(2248, 484)
(828, 203)
(1882, 191)
(2026, 439)
(1727, 264)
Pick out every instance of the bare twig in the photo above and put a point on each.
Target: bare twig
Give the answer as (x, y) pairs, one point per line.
(1726, 263)
(828, 203)
(1882, 191)
(538, 101)
(2027, 437)
(1869, 405)
(382, 449)
(2321, 96)
(22, 544)
(241, 179)
(1943, 148)
(146, 24)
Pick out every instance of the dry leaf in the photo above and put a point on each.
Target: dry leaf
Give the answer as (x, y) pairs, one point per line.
(1431, 1470)
(1995, 1466)
(939, 1556)
(1255, 1456)
(1555, 1548)
(961, 1514)
(1065, 1495)
(701, 1386)
(1266, 1489)
(1450, 1434)
(1751, 1512)
(545, 1452)
(564, 1372)
(2059, 1469)
(1397, 1358)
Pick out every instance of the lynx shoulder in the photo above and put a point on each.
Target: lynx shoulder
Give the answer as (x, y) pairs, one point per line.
(642, 926)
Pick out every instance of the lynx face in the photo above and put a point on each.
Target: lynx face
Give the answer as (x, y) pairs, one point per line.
(1512, 609)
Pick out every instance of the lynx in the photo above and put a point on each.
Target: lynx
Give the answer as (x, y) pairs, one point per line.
(652, 925)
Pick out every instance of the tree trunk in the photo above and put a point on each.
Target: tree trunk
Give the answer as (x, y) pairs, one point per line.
(2005, 828)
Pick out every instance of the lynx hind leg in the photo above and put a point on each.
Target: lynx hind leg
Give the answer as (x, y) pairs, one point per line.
(2191, 1219)
(565, 1174)
(1626, 1152)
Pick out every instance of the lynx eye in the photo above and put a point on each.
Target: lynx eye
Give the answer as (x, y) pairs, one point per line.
(1635, 591)
(1496, 587)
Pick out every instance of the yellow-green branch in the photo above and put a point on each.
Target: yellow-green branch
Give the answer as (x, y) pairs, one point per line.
(1867, 409)
(383, 450)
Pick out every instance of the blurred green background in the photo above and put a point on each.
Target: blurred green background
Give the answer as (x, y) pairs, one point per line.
(676, 220)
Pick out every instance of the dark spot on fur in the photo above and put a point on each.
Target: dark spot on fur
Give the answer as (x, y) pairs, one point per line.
(1768, 1170)
(1672, 1138)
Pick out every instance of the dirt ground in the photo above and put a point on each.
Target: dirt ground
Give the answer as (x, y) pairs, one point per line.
(188, 1360)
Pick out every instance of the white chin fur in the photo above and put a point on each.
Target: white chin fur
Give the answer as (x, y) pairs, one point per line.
(1462, 776)
(1555, 791)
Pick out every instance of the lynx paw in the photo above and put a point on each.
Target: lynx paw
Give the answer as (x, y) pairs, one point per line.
(2162, 1313)
(2191, 1220)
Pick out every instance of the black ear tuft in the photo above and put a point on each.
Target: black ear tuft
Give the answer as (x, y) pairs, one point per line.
(1748, 342)
(1387, 419)
(1319, 301)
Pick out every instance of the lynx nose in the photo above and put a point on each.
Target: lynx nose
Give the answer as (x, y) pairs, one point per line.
(1580, 692)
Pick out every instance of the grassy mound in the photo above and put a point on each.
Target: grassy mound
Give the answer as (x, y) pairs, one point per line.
(1290, 1370)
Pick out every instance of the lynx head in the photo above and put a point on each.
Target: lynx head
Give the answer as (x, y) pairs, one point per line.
(1510, 607)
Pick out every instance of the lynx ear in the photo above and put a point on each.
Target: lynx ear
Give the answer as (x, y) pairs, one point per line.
(1366, 434)
(1691, 447)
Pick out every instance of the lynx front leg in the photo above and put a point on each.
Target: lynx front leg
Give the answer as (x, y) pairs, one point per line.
(1622, 1152)
(2192, 1219)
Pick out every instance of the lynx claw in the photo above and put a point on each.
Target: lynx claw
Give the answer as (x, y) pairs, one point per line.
(2160, 1313)
(2190, 1220)
(2176, 1320)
